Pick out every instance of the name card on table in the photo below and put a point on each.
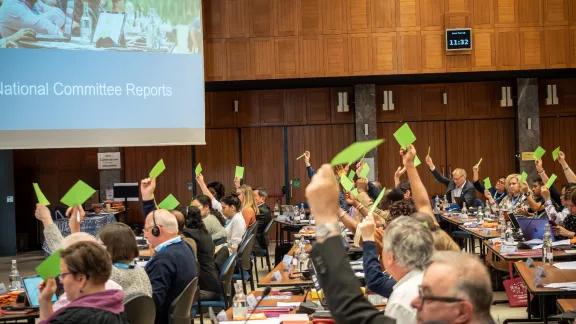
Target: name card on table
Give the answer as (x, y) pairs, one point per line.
(3, 289)
(276, 276)
(529, 263)
(222, 317)
(251, 300)
(287, 260)
(540, 272)
(505, 249)
(486, 231)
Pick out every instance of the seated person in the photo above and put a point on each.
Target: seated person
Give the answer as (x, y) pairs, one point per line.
(212, 218)
(310, 170)
(515, 200)
(458, 186)
(535, 200)
(442, 241)
(208, 280)
(237, 226)
(214, 190)
(264, 216)
(85, 268)
(249, 207)
(568, 228)
(554, 215)
(34, 14)
(498, 191)
(26, 34)
(173, 265)
(456, 288)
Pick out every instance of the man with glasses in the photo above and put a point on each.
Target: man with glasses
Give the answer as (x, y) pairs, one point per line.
(457, 187)
(456, 288)
(498, 191)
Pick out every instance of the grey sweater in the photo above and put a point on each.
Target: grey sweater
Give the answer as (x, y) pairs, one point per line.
(133, 281)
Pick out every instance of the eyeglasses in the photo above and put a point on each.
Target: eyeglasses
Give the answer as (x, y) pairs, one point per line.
(63, 274)
(424, 298)
(456, 179)
(500, 182)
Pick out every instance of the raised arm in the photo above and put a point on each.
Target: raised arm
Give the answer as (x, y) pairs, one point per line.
(398, 174)
(419, 193)
(476, 170)
(203, 187)
(570, 176)
(442, 179)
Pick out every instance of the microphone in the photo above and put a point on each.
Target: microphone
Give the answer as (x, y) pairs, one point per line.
(265, 293)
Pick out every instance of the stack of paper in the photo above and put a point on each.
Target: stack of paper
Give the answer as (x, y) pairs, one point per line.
(562, 285)
(534, 241)
(294, 319)
(565, 265)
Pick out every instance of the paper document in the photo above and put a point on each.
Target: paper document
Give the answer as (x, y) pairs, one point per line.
(562, 285)
(571, 265)
(283, 304)
(534, 241)
(266, 321)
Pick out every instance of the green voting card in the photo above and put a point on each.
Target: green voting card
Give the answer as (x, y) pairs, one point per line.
(41, 198)
(555, 153)
(404, 136)
(239, 172)
(198, 169)
(377, 201)
(78, 194)
(158, 169)
(428, 151)
(50, 267)
(425, 224)
(539, 153)
(551, 181)
(169, 203)
(346, 183)
(301, 156)
(354, 152)
(523, 177)
(351, 175)
(478, 164)
(355, 192)
(365, 171)
(417, 161)
(487, 184)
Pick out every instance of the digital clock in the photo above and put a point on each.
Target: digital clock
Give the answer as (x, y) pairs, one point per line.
(459, 39)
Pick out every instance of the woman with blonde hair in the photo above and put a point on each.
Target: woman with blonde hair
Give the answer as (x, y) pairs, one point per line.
(515, 201)
(249, 206)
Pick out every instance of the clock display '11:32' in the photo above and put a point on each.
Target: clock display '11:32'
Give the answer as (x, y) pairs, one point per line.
(456, 42)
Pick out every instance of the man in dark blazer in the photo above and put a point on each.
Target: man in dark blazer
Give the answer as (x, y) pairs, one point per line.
(264, 215)
(458, 186)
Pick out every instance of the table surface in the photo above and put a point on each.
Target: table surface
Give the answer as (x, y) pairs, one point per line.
(32, 315)
(452, 219)
(553, 275)
(567, 305)
(146, 253)
(537, 253)
(479, 233)
(265, 302)
(286, 281)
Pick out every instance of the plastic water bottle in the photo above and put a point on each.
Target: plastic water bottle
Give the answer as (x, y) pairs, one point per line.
(509, 235)
(86, 25)
(445, 204)
(276, 210)
(480, 216)
(296, 214)
(464, 210)
(15, 280)
(152, 30)
(239, 305)
(547, 255)
(501, 226)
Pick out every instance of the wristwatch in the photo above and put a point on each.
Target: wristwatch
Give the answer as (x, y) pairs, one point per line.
(323, 230)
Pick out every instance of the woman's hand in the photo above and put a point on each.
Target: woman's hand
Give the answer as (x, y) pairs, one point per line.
(47, 289)
(545, 193)
(488, 196)
(42, 213)
(561, 231)
(362, 185)
(539, 166)
(367, 228)
(237, 182)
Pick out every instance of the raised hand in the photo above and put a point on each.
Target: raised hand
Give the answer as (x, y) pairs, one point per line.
(42, 213)
(561, 157)
(322, 196)
(367, 228)
(147, 187)
(408, 155)
(429, 161)
(399, 172)
(307, 158)
(539, 167)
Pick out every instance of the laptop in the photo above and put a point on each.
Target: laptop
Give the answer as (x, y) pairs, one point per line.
(514, 221)
(67, 30)
(32, 292)
(533, 228)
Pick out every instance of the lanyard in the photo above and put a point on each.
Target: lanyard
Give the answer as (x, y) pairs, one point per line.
(513, 200)
(496, 195)
(123, 265)
(177, 240)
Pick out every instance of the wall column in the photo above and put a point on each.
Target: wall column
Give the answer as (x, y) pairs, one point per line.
(7, 207)
(365, 113)
(527, 115)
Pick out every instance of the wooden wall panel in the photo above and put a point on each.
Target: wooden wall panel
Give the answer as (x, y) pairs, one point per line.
(384, 56)
(508, 49)
(334, 16)
(360, 53)
(558, 42)
(408, 14)
(433, 51)
(409, 52)
(323, 142)
(238, 58)
(572, 46)
(219, 156)
(286, 15)
(271, 105)
(310, 17)
(263, 158)
(464, 152)
(311, 59)
(552, 135)
(479, 100)
(457, 101)
(496, 96)
(248, 108)
(286, 54)
(335, 55)
(530, 13)
(430, 134)
(208, 111)
(318, 106)
(358, 16)
(138, 161)
(215, 63)
(295, 107)
(261, 18)
(506, 14)
(458, 63)
(457, 5)
(263, 59)
(383, 15)
(342, 117)
(214, 18)
(433, 107)
(432, 14)
(483, 13)
(532, 48)
(556, 12)
(223, 109)
(238, 18)
(484, 50)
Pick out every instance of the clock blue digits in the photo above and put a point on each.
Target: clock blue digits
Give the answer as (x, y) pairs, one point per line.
(459, 39)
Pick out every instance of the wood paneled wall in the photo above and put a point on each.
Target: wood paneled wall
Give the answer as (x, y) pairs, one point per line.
(219, 156)
(138, 161)
(276, 39)
(56, 171)
(556, 132)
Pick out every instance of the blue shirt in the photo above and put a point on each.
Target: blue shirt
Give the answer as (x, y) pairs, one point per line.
(343, 204)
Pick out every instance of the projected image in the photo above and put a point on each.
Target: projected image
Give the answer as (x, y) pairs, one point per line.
(162, 26)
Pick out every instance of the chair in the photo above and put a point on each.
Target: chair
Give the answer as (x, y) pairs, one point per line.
(263, 251)
(249, 231)
(226, 281)
(180, 307)
(221, 257)
(244, 263)
(140, 309)
(479, 203)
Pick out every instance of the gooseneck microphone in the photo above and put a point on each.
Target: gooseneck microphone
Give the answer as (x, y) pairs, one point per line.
(265, 293)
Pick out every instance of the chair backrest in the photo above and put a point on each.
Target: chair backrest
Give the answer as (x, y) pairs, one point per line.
(245, 251)
(250, 230)
(226, 274)
(266, 234)
(180, 307)
(140, 309)
(220, 257)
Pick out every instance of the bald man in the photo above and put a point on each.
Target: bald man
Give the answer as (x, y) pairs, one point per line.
(456, 187)
(173, 265)
(456, 288)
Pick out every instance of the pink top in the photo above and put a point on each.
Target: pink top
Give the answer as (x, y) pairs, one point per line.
(63, 300)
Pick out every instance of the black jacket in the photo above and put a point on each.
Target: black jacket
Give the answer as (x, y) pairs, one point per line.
(468, 194)
(81, 315)
(208, 277)
(263, 218)
(341, 288)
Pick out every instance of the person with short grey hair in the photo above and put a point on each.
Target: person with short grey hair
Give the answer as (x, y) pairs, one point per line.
(407, 248)
(456, 288)
(264, 216)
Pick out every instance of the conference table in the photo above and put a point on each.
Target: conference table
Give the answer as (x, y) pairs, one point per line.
(134, 43)
(289, 279)
(272, 302)
(30, 316)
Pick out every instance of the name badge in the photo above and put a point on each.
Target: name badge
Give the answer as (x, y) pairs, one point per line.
(276, 276)
(251, 300)
(505, 249)
(529, 263)
(287, 260)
